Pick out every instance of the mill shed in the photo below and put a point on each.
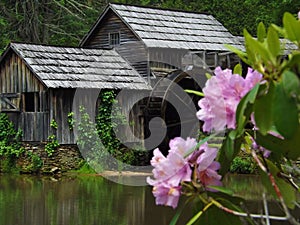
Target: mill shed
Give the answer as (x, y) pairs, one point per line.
(38, 84)
(167, 47)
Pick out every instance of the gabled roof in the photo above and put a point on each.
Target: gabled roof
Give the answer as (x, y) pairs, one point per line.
(65, 67)
(162, 28)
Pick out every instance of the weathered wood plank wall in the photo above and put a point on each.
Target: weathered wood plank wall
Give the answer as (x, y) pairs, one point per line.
(15, 77)
(15, 81)
(61, 103)
(131, 48)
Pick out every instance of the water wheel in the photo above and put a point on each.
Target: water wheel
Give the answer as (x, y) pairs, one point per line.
(170, 111)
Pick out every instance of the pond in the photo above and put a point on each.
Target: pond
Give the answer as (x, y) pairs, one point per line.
(92, 200)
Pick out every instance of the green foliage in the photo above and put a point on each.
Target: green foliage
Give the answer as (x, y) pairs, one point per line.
(52, 145)
(36, 162)
(242, 165)
(10, 145)
(267, 118)
(53, 124)
(71, 120)
(85, 168)
(89, 142)
(275, 103)
(66, 22)
(108, 121)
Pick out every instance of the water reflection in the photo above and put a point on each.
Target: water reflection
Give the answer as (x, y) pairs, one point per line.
(84, 200)
(89, 200)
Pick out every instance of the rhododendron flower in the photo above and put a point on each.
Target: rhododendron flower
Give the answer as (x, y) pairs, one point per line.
(223, 93)
(169, 172)
(165, 194)
(210, 177)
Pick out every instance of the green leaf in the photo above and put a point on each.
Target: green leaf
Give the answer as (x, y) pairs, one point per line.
(280, 147)
(273, 42)
(257, 50)
(242, 55)
(270, 142)
(292, 146)
(194, 92)
(216, 216)
(292, 27)
(238, 69)
(286, 190)
(222, 190)
(293, 61)
(178, 213)
(261, 32)
(229, 142)
(230, 148)
(208, 75)
(278, 29)
(263, 110)
(291, 83)
(285, 111)
(250, 54)
(244, 109)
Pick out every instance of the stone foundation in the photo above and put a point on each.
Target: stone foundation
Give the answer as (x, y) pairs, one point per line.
(36, 160)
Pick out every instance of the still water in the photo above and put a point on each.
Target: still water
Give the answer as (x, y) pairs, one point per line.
(90, 200)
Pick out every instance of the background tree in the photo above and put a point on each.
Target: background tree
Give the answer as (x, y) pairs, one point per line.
(65, 22)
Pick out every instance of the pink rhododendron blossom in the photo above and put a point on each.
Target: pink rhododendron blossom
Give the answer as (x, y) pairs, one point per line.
(223, 93)
(207, 156)
(169, 172)
(166, 195)
(210, 177)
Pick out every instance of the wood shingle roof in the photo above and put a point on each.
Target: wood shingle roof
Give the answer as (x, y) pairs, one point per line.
(163, 28)
(66, 67)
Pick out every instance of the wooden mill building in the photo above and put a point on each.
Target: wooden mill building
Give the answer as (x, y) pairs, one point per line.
(129, 47)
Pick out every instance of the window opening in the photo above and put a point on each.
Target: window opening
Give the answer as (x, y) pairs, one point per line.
(30, 101)
(114, 39)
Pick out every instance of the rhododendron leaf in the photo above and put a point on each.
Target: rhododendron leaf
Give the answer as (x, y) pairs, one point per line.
(194, 92)
(285, 111)
(286, 190)
(222, 189)
(178, 212)
(292, 27)
(208, 75)
(261, 32)
(250, 54)
(271, 142)
(263, 110)
(256, 50)
(224, 218)
(279, 29)
(291, 84)
(294, 60)
(273, 42)
(238, 69)
(228, 151)
(244, 109)
(288, 147)
(242, 55)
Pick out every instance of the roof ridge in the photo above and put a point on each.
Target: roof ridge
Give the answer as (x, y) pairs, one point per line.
(160, 8)
(59, 46)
